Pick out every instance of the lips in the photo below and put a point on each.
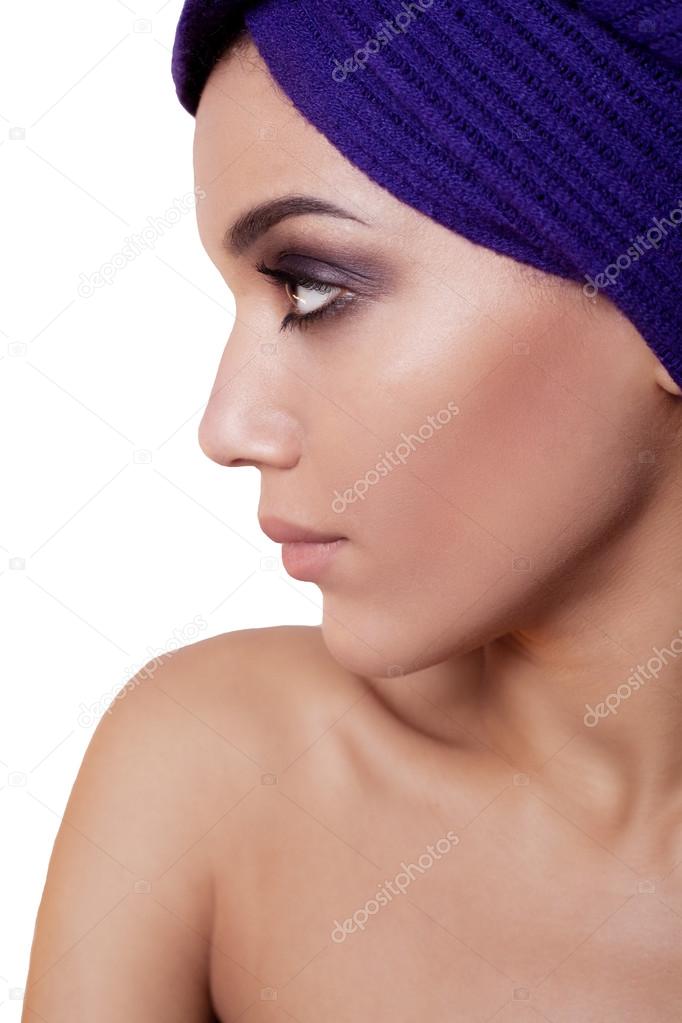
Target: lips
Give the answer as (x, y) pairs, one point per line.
(287, 532)
(306, 553)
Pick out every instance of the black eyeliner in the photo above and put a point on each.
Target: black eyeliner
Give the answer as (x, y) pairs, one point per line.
(301, 320)
(292, 320)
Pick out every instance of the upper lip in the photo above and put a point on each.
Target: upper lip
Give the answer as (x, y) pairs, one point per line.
(288, 532)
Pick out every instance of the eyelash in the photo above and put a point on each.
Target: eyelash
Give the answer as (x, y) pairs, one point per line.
(294, 320)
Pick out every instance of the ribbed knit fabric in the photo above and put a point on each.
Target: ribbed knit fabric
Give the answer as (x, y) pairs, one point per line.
(547, 130)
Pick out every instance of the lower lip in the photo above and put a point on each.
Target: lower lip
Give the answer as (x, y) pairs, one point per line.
(306, 561)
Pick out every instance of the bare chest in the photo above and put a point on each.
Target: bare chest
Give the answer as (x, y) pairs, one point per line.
(362, 909)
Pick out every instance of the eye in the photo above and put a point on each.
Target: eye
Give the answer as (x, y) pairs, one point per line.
(311, 299)
(311, 296)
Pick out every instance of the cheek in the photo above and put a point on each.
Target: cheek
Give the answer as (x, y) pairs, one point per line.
(487, 504)
(527, 458)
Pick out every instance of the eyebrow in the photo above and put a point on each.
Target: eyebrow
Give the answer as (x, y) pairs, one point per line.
(262, 218)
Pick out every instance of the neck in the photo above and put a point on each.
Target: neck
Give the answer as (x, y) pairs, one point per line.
(587, 699)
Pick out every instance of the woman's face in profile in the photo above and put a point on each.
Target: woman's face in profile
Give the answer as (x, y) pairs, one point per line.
(473, 428)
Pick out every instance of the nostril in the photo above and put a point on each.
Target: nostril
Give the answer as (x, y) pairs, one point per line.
(212, 443)
(248, 435)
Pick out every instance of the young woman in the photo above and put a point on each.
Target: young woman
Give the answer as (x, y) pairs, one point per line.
(459, 798)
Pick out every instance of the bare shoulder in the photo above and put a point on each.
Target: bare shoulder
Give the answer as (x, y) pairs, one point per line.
(288, 646)
(216, 710)
(128, 904)
(264, 690)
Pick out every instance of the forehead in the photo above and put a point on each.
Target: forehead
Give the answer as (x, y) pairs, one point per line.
(251, 144)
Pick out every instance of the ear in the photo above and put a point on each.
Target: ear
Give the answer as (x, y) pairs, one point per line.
(664, 380)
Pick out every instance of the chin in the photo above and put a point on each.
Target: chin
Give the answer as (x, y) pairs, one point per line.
(373, 638)
(374, 644)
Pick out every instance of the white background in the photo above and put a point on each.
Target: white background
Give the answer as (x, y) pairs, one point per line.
(115, 529)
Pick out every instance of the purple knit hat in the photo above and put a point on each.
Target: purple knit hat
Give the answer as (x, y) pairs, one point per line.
(547, 130)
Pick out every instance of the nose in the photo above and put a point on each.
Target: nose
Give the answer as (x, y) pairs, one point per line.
(249, 418)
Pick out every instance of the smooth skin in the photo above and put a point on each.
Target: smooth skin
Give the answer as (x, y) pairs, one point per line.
(404, 814)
